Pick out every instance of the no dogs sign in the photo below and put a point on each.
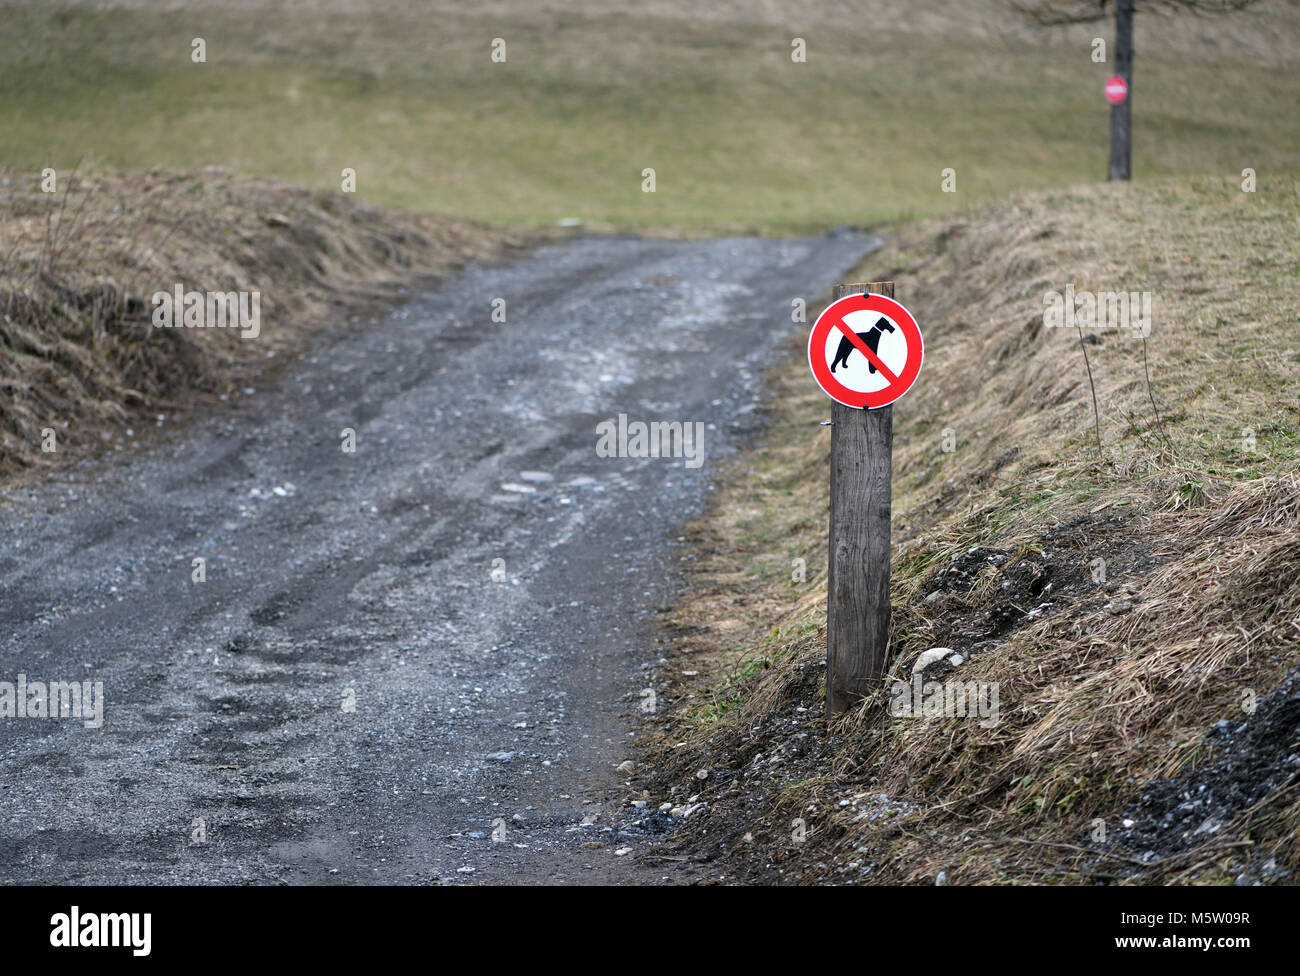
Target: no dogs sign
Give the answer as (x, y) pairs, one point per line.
(865, 351)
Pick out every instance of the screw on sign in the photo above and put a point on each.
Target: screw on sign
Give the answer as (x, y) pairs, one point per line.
(865, 352)
(1116, 89)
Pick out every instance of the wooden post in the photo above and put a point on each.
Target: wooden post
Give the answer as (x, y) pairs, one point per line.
(857, 611)
(1121, 115)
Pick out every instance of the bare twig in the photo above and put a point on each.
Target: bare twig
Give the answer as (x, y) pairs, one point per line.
(1151, 396)
(1096, 414)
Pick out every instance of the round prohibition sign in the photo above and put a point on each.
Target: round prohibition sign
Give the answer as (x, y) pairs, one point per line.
(1116, 90)
(896, 381)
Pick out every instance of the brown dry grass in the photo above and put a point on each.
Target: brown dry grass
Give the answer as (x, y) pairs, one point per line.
(78, 267)
(1094, 705)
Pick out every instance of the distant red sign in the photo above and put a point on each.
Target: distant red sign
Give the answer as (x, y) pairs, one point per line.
(1116, 89)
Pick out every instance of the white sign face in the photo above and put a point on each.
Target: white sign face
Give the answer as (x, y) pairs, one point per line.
(852, 368)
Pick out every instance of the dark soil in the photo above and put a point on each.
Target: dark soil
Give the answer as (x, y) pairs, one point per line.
(746, 777)
(1246, 762)
(1058, 580)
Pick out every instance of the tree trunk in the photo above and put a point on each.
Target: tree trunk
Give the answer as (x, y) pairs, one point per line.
(1121, 115)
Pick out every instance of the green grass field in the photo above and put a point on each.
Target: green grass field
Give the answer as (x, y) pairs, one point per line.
(741, 137)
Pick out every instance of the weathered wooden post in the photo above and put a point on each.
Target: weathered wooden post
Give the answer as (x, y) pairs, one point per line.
(857, 610)
(1121, 112)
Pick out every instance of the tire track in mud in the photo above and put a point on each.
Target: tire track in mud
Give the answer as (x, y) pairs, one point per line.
(352, 696)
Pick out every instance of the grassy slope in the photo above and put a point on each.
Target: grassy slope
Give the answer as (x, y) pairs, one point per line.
(1202, 534)
(741, 137)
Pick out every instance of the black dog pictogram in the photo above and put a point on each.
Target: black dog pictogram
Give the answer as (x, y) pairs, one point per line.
(871, 337)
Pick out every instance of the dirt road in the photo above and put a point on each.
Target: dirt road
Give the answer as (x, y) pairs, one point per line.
(397, 650)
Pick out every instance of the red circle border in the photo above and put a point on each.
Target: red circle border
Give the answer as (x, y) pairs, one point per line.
(821, 371)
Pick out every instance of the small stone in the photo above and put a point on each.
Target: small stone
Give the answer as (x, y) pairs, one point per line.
(930, 657)
(1117, 607)
(623, 852)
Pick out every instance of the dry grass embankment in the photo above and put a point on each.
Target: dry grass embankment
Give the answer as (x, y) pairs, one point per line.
(78, 268)
(1105, 687)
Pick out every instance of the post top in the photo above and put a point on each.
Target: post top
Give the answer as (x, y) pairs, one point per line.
(864, 288)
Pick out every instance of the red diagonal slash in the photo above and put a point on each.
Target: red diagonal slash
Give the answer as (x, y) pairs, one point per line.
(863, 348)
